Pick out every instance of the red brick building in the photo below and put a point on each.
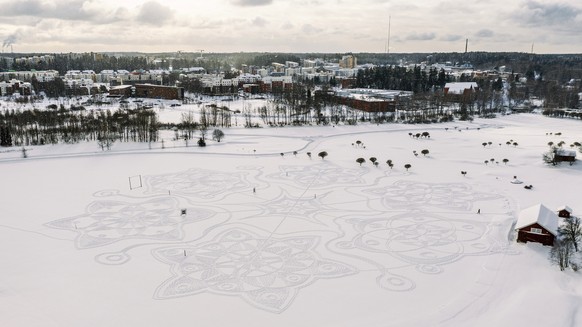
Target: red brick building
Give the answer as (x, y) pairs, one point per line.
(149, 91)
(370, 100)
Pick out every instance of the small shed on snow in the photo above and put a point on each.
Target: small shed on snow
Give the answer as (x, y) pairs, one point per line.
(564, 212)
(565, 155)
(537, 224)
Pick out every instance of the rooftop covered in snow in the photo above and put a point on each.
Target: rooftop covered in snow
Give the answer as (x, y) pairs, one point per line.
(539, 214)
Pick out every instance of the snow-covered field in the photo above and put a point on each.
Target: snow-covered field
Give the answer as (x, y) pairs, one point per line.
(271, 240)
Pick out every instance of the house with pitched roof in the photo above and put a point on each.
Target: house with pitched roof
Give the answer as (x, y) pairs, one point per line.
(564, 155)
(564, 212)
(537, 224)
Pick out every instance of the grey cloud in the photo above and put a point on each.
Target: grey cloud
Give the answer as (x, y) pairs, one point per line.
(154, 13)
(308, 28)
(120, 14)
(259, 21)
(421, 36)
(287, 26)
(451, 38)
(485, 33)
(252, 3)
(68, 10)
(22, 8)
(209, 25)
(454, 6)
(536, 13)
(72, 10)
(403, 7)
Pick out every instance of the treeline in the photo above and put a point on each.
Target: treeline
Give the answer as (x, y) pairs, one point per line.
(560, 113)
(99, 62)
(558, 67)
(210, 116)
(38, 127)
(401, 78)
(518, 62)
(554, 94)
(87, 61)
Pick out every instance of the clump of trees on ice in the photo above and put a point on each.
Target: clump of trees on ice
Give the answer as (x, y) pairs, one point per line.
(567, 244)
(52, 126)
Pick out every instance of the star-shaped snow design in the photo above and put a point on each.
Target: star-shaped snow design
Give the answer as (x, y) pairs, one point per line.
(317, 176)
(420, 238)
(266, 272)
(106, 222)
(197, 182)
(455, 196)
(305, 208)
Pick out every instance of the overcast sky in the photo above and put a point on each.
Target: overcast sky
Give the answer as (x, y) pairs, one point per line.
(291, 25)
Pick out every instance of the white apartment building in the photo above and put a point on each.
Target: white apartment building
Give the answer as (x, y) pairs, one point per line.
(292, 71)
(263, 72)
(41, 75)
(80, 74)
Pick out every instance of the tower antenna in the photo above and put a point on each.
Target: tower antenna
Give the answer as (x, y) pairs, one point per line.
(388, 44)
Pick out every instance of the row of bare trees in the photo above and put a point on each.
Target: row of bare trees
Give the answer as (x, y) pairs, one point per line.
(38, 127)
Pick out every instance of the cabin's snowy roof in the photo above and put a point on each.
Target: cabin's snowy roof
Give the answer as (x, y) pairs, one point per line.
(566, 153)
(460, 87)
(539, 214)
(120, 87)
(565, 207)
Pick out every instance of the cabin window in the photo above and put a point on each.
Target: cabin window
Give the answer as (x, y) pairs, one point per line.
(536, 230)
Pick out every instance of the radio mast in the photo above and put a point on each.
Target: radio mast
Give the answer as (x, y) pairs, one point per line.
(388, 43)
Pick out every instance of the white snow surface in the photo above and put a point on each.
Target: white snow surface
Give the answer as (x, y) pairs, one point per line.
(317, 243)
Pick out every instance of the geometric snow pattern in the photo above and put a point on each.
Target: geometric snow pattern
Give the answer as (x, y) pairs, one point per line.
(109, 221)
(455, 196)
(197, 182)
(424, 240)
(317, 176)
(266, 272)
(285, 205)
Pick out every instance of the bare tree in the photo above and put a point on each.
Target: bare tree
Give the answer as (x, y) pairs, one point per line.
(561, 253)
(106, 140)
(550, 157)
(571, 231)
(188, 124)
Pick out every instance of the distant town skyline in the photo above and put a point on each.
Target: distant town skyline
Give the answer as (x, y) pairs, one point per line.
(329, 26)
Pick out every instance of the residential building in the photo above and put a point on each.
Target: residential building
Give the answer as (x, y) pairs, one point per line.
(537, 224)
(348, 61)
